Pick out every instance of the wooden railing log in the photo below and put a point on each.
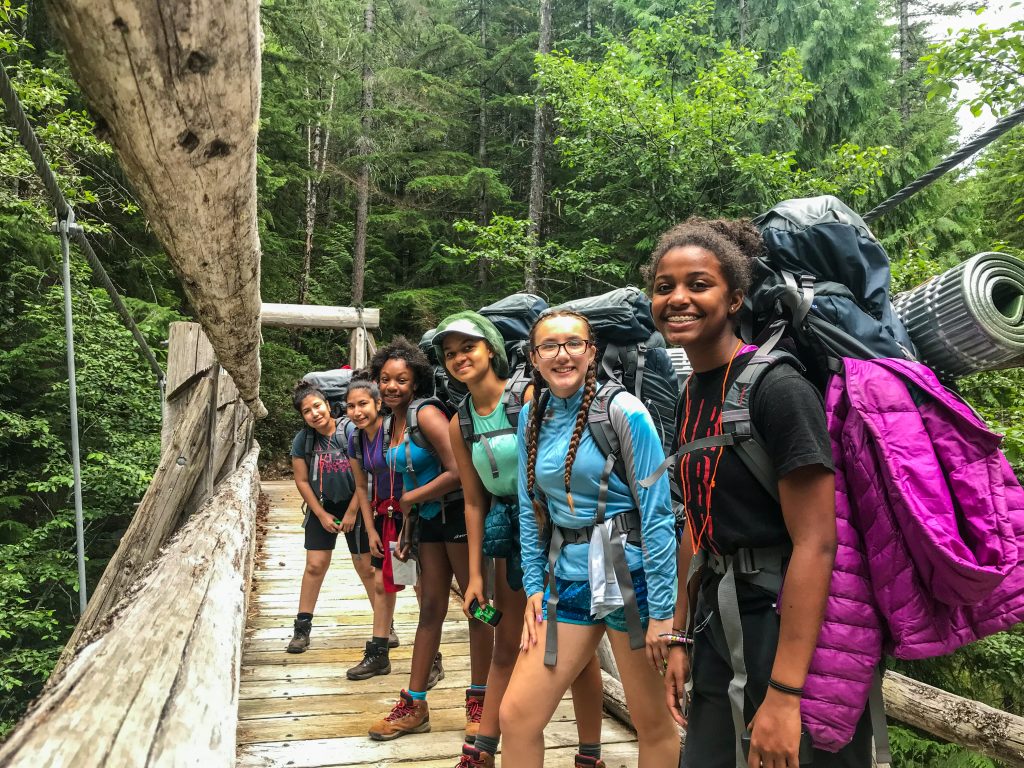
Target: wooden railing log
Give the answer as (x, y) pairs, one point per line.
(971, 724)
(318, 316)
(155, 519)
(976, 726)
(160, 687)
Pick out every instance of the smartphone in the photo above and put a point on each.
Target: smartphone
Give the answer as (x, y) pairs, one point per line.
(487, 613)
(805, 753)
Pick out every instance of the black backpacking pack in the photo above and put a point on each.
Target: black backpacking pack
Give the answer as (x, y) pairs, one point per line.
(334, 385)
(631, 351)
(827, 277)
(513, 316)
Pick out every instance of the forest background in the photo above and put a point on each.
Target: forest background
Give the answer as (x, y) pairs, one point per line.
(404, 164)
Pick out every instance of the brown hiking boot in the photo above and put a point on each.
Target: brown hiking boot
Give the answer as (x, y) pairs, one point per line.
(474, 709)
(375, 662)
(407, 716)
(300, 640)
(436, 672)
(474, 758)
(393, 641)
(582, 761)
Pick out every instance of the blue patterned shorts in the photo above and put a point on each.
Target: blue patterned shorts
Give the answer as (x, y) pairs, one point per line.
(574, 603)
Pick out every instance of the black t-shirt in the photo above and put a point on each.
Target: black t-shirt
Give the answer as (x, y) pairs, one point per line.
(789, 414)
(328, 469)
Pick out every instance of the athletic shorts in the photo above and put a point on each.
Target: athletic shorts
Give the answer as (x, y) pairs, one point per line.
(574, 603)
(319, 539)
(378, 523)
(710, 735)
(451, 531)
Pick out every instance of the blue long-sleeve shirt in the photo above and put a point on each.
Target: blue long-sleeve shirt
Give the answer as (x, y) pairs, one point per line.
(642, 452)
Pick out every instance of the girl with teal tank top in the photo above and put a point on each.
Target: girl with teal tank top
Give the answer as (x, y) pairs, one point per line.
(434, 529)
(484, 443)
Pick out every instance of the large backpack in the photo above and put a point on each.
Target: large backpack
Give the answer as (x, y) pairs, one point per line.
(631, 351)
(827, 278)
(334, 384)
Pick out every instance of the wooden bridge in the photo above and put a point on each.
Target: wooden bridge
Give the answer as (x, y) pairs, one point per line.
(178, 661)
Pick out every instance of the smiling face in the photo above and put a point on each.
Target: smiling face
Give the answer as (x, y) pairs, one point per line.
(693, 304)
(361, 407)
(397, 384)
(316, 412)
(564, 373)
(466, 358)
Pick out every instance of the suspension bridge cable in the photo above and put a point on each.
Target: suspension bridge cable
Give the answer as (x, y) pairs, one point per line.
(978, 143)
(31, 145)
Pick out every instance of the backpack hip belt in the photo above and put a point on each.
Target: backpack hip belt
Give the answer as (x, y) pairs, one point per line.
(625, 525)
(763, 567)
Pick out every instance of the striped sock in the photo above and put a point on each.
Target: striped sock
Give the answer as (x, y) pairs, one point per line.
(590, 750)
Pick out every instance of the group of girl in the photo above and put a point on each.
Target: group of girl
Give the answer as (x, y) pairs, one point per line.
(531, 514)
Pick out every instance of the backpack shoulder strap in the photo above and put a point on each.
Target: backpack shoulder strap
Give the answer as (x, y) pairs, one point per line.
(512, 399)
(607, 440)
(469, 434)
(412, 421)
(309, 438)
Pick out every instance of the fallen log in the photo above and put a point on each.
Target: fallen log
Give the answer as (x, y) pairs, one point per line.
(160, 686)
(175, 86)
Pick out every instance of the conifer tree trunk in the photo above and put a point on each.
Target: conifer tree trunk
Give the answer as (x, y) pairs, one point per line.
(537, 161)
(906, 57)
(363, 179)
(481, 150)
(318, 137)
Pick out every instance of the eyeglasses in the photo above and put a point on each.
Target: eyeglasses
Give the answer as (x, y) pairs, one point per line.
(573, 348)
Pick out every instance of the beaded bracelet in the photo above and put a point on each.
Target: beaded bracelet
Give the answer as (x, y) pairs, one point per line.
(675, 639)
(781, 688)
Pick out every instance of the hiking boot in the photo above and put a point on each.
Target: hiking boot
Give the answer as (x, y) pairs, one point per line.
(582, 761)
(393, 637)
(407, 716)
(474, 758)
(436, 672)
(474, 709)
(375, 662)
(300, 640)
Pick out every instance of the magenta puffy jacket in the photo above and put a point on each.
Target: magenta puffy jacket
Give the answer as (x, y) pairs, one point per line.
(930, 524)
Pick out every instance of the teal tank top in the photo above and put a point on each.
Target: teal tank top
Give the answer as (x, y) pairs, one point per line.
(497, 430)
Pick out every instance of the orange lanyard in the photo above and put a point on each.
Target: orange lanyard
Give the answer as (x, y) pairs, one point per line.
(707, 527)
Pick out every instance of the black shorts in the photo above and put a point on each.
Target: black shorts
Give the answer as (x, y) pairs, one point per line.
(378, 523)
(448, 527)
(710, 735)
(318, 539)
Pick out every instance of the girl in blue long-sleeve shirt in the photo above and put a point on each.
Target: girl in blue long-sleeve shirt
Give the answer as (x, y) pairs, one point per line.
(565, 481)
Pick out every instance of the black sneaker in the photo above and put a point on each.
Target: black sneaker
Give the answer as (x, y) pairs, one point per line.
(393, 637)
(375, 662)
(300, 640)
(436, 672)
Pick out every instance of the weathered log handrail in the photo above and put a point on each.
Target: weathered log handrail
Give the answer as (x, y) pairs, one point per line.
(160, 686)
(971, 724)
(317, 316)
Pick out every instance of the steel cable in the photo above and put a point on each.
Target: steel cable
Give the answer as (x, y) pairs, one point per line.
(35, 151)
(970, 318)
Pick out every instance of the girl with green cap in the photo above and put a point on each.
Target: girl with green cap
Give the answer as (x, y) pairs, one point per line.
(483, 439)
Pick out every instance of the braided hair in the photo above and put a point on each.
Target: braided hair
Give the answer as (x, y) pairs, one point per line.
(536, 417)
(735, 243)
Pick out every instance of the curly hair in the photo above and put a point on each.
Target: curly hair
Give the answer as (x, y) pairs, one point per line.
(533, 427)
(304, 389)
(735, 242)
(401, 348)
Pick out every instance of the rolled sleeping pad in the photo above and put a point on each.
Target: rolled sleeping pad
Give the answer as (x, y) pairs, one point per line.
(970, 318)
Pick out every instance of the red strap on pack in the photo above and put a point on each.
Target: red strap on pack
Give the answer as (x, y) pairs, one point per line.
(389, 508)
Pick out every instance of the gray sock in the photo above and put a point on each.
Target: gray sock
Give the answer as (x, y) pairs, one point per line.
(589, 750)
(488, 744)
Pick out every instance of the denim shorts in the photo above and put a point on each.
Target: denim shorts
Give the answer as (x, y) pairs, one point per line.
(574, 603)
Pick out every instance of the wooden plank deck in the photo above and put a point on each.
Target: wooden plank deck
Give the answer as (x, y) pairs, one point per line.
(301, 711)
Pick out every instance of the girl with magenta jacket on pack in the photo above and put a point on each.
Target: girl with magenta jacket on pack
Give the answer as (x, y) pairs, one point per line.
(751, 647)
(487, 454)
(435, 527)
(609, 541)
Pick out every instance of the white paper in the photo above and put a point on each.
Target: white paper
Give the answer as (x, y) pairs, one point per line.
(605, 595)
(402, 573)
